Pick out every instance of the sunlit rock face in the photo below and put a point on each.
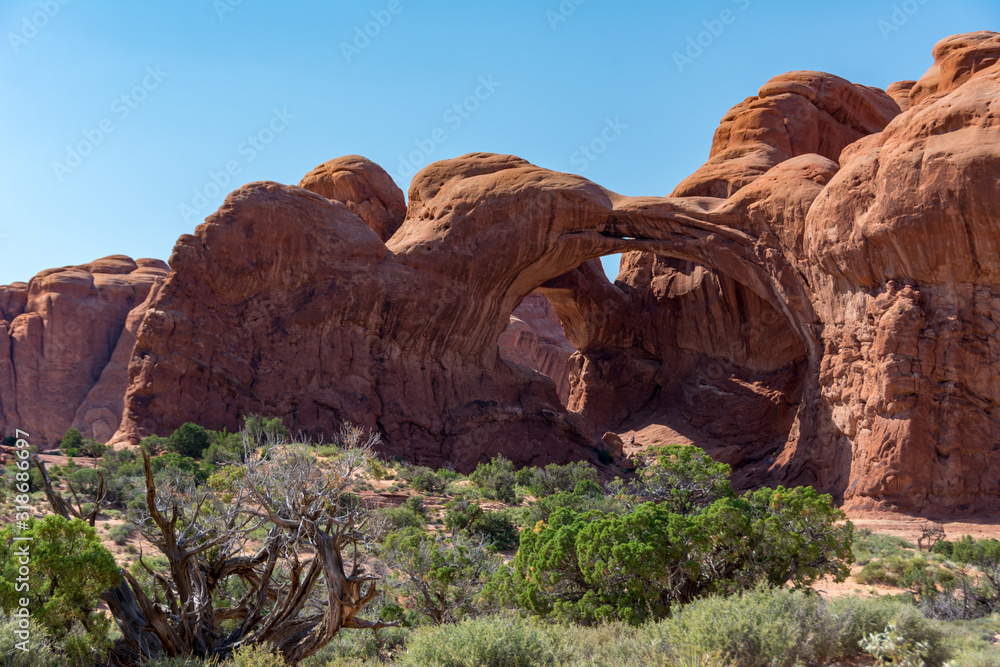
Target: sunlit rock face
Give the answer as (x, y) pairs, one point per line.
(816, 304)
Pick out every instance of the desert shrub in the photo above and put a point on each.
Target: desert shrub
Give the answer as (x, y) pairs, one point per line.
(71, 442)
(259, 655)
(496, 480)
(875, 572)
(154, 444)
(761, 628)
(39, 651)
(173, 463)
(92, 448)
(377, 470)
(359, 649)
(869, 545)
(271, 430)
(85, 480)
(589, 567)
(120, 533)
(189, 440)
(851, 618)
(684, 478)
(777, 627)
(423, 479)
(943, 547)
(555, 478)
(487, 642)
(909, 640)
(404, 517)
(981, 553)
(34, 480)
(444, 577)
(449, 475)
(461, 515)
(586, 496)
(69, 569)
(179, 662)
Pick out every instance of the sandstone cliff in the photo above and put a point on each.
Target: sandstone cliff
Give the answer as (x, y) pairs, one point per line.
(817, 304)
(65, 343)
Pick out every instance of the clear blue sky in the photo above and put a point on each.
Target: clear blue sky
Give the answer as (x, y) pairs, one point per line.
(161, 95)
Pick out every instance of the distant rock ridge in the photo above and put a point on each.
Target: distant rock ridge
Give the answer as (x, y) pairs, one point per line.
(817, 304)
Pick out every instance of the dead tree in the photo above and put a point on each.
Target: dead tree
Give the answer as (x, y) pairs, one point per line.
(226, 585)
(931, 533)
(72, 510)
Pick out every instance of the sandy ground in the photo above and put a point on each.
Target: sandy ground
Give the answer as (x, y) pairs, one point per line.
(910, 527)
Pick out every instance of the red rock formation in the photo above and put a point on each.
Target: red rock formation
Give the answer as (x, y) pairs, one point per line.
(817, 304)
(905, 241)
(65, 347)
(535, 339)
(285, 302)
(363, 187)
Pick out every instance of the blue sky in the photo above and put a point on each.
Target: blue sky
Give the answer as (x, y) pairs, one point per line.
(124, 124)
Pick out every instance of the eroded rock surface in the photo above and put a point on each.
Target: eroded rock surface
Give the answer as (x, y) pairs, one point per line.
(535, 339)
(816, 304)
(65, 342)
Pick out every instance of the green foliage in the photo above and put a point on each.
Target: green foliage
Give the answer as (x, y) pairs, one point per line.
(69, 568)
(908, 641)
(555, 478)
(258, 655)
(891, 648)
(876, 572)
(92, 448)
(154, 444)
(423, 479)
(496, 480)
(982, 553)
(797, 536)
(190, 440)
(943, 547)
(85, 481)
(271, 427)
(38, 653)
(174, 462)
(120, 533)
(461, 515)
(359, 649)
(71, 442)
(593, 566)
(869, 545)
(443, 577)
(684, 478)
(585, 497)
(761, 628)
(404, 517)
(32, 476)
(493, 642)
(777, 627)
(416, 504)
